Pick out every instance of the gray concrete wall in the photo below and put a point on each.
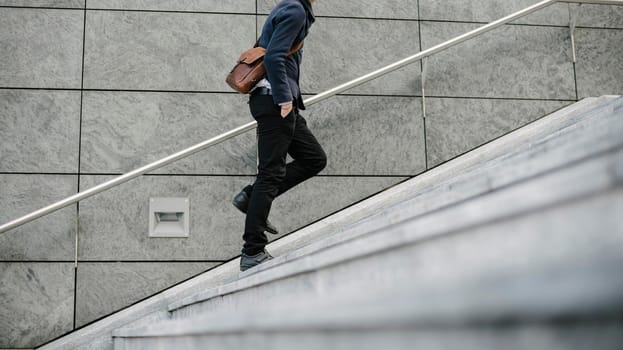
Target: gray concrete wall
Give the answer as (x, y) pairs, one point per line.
(87, 93)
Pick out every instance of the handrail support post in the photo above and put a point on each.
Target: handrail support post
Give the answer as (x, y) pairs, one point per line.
(77, 233)
(574, 10)
(423, 78)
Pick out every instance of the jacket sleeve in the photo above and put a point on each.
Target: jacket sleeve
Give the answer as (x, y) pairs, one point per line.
(288, 24)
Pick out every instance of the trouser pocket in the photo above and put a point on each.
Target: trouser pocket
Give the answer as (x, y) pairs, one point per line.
(263, 105)
(268, 115)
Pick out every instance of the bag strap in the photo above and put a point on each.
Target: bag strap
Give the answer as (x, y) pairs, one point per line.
(295, 48)
(292, 51)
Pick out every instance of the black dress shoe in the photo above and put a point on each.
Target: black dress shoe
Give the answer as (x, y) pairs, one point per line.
(248, 261)
(241, 201)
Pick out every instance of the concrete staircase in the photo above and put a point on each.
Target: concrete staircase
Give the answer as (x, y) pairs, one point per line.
(516, 245)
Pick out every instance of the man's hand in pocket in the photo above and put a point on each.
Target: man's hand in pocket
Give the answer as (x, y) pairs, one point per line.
(286, 109)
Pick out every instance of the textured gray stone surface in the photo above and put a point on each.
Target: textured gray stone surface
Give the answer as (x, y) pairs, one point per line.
(455, 126)
(402, 9)
(36, 302)
(48, 238)
(29, 35)
(238, 6)
(491, 10)
(107, 287)
(124, 131)
(599, 66)
(44, 3)
(341, 49)
(39, 131)
(513, 61)
(370, 135)
(97, 336)
(114, 224)
(606, 16)
(322, 196)
(163, 51)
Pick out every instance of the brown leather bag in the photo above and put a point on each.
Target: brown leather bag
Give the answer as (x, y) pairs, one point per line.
(250, 68)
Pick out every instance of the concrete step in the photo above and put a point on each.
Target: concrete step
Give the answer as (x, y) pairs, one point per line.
(596, 131)
(98, 335)
(557, 336)
(487, 311)
(386, 258)
(543, 272)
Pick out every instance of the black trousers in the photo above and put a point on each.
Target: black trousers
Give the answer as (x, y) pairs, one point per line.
(277, 137)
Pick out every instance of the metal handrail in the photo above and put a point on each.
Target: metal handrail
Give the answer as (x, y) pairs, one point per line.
(316, 98)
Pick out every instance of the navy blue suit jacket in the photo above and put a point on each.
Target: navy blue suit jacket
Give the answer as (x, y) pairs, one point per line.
(287, 24)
